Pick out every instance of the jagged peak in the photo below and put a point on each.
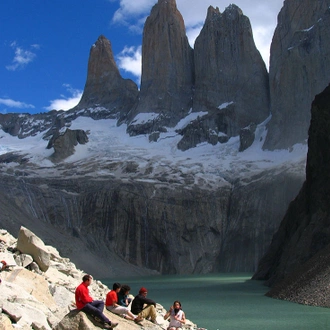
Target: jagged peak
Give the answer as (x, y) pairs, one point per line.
(233, 11)
(101, 40)
(169, 3)
(212, 13)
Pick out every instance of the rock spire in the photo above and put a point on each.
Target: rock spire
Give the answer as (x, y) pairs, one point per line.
(299, 69)
(104, 85)
(230, 69)
(167, 67)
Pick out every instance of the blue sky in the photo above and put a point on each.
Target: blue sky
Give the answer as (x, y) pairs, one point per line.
(45, 44)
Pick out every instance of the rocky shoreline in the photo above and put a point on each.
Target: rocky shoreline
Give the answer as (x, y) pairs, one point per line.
(37, 290)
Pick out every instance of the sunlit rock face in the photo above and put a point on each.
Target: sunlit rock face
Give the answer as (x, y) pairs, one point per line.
(299, 69)
(167, 70)
(305, 229)
(230, 70)
(104, 85)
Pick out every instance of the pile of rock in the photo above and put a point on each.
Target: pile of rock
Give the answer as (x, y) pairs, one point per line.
(37, 289)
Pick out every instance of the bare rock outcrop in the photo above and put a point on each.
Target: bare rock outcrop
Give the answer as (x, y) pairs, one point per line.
(64, 144)
(28, 243)
(44, 300)
(229, 70)
(167, 70)
(299, 69)
(305, 231)
(104, 85)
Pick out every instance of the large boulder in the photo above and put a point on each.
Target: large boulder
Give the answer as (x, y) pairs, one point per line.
(31, 244)
(32, 283)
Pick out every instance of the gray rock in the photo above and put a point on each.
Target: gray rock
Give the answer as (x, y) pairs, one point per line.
(167, 70)
(23, 260)
(104, 85)
(229, 70)
(304, 231)
(299, 69)
(29, 243)
(149, 209)
(247, 136)
(64, 144)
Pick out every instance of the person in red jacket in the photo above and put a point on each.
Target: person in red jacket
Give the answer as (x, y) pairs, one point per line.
(86, 303)
(111, 304)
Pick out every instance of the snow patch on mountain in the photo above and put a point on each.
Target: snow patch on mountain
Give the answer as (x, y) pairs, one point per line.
(110, 149)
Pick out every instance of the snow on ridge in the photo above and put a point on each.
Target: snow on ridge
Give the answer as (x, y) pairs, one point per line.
(224, 105)
(144, 117)
(189, 118)
(110, 144)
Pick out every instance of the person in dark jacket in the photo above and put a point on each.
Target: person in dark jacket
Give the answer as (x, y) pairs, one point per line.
(144, 307)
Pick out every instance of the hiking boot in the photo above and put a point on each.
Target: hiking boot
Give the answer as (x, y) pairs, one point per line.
(138, 319)
(110, 325)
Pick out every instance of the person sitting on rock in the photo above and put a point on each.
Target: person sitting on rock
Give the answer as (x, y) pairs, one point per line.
(85, 303)
(3, 265)
(177, 316)
(123, 299)
(138, 308)
(111, 304)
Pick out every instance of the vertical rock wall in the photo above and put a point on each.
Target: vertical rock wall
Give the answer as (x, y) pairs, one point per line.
(230, 70)
(167, 67)
(305, 229)
(299, 69)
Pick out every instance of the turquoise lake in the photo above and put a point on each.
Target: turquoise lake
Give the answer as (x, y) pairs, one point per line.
(228, 301)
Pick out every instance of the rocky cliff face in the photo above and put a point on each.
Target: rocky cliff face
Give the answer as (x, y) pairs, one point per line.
(305, 229)
(231, 77)
(167, 70)
(299, 69)
(104, 85)
(166, 226)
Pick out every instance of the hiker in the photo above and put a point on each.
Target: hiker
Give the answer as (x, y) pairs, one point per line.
(138, 308)
(123, 299)
(3, 265)
(92, 307)
(177, 316)
(112, 305)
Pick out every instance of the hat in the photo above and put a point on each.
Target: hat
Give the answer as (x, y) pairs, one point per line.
(143, 290)
(3, 262)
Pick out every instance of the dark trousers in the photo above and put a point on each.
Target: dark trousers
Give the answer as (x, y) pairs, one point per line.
(96, 308)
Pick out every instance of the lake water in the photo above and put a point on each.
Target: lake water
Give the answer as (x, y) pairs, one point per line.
(228, 301)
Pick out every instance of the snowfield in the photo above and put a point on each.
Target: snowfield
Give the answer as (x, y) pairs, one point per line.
(110, 149)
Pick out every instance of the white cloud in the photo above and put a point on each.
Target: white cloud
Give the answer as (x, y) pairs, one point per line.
(129, 9)
(66, 103)
(22, 56)
(15, 104)
(129, 60)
